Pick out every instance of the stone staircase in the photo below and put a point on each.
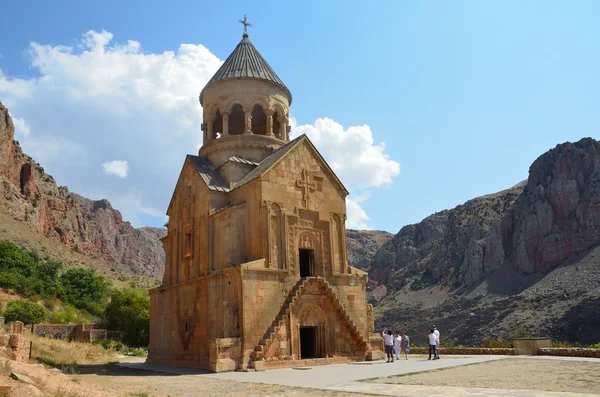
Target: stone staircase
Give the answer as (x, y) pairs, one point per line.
(270, 335)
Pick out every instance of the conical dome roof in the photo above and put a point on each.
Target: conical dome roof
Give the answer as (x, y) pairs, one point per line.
(246, 62)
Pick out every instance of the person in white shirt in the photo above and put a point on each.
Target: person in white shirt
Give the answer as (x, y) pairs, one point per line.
(388, 341)
(397, 342)
(432, 344)
(437, 335)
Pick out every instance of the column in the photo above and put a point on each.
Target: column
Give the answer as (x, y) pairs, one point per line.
(282, 128)
(270, 124)
(248, 122)
(210, 129)
(225, 122)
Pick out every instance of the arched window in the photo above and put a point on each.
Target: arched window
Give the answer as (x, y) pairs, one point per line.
(217, 125)
(277, 126)
(236, 120)
(259, 121)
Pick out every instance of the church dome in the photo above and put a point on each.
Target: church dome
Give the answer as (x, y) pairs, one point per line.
(245, 62)
(245, 108)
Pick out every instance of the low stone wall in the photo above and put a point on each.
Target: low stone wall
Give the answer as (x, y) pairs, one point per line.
(20, 348)
(98, 334)
(114, 335)
(466, 350)
(54, 331)
(72, 332)
(569, 351)
(15, 347)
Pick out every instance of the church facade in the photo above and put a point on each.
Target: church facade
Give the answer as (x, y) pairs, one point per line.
(256, 273)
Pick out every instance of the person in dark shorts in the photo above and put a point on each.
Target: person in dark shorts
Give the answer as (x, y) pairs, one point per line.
(432, 345)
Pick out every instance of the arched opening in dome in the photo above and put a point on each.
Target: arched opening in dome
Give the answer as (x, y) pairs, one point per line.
(277, 126)
(236, 120)
(259, 121)
(217, 126)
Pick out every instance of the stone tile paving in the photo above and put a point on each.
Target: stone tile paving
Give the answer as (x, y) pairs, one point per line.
(344, 377)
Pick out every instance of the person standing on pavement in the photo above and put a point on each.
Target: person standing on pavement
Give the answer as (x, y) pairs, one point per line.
(397, 342)
(405, 344)
(432, 344)
(388, 341)
(437, 335)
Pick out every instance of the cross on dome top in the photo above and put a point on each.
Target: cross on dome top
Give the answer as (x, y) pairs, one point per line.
(246, 25)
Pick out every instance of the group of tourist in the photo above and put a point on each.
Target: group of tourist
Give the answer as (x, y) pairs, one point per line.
(395, 344)
(401, 343)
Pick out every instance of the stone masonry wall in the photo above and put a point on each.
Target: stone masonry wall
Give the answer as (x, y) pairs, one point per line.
(465, 350)
(570, 351)
(55, 331)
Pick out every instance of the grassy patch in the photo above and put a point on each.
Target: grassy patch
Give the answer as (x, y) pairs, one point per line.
(62, 354)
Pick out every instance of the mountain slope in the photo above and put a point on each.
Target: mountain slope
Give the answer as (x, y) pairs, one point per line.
(524, 258)
(93, 228)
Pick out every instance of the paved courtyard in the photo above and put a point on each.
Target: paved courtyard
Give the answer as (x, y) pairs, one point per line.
(347, 377)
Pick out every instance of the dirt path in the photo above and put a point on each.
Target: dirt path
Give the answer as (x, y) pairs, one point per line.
(523, 374)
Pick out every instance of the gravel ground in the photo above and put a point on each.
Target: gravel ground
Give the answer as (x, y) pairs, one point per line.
(519, 374)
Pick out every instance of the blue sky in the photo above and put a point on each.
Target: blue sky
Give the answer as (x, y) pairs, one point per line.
(465, 95)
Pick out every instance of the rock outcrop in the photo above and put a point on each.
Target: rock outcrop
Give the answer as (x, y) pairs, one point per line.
(523, 261)
(30, 195)
(531, 227)
(361, 246)
(558, 213)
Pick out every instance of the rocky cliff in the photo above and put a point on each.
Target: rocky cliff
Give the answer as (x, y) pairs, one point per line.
(361, 246)
(532, 227)
(528, 255)
(28, 194)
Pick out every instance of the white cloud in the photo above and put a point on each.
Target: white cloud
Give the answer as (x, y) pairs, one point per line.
(119, 168)
(100, 99)
(351, 153)
(21, 127)
(357, 217)
(356, 159)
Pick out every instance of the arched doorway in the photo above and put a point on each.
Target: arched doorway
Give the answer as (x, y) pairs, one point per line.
(259, 121)
(312, 331)
(277, 126)
(236, 120)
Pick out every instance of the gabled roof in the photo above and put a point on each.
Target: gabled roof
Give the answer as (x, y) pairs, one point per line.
(241, 160)
(208, 173)
(246, 62)
(274, 158)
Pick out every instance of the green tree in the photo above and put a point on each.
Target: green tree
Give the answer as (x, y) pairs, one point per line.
(84, 290)
(24, 311)
(48, 273)
(13, 258)
(129, 311)
(11, 280)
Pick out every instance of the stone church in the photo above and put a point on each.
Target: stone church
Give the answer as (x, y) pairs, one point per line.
(256, 273)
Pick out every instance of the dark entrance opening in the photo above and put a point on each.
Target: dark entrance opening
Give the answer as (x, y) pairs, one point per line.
(306, 259)
(308, 342)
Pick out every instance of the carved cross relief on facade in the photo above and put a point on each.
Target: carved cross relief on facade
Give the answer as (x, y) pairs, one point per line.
(307, 185)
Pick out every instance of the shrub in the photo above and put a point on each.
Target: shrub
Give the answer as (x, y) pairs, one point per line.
(84, 290)
(10, 280)
(523, 333)
(129, 311)
(24, 311)
(14, 258)
(495, 344)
